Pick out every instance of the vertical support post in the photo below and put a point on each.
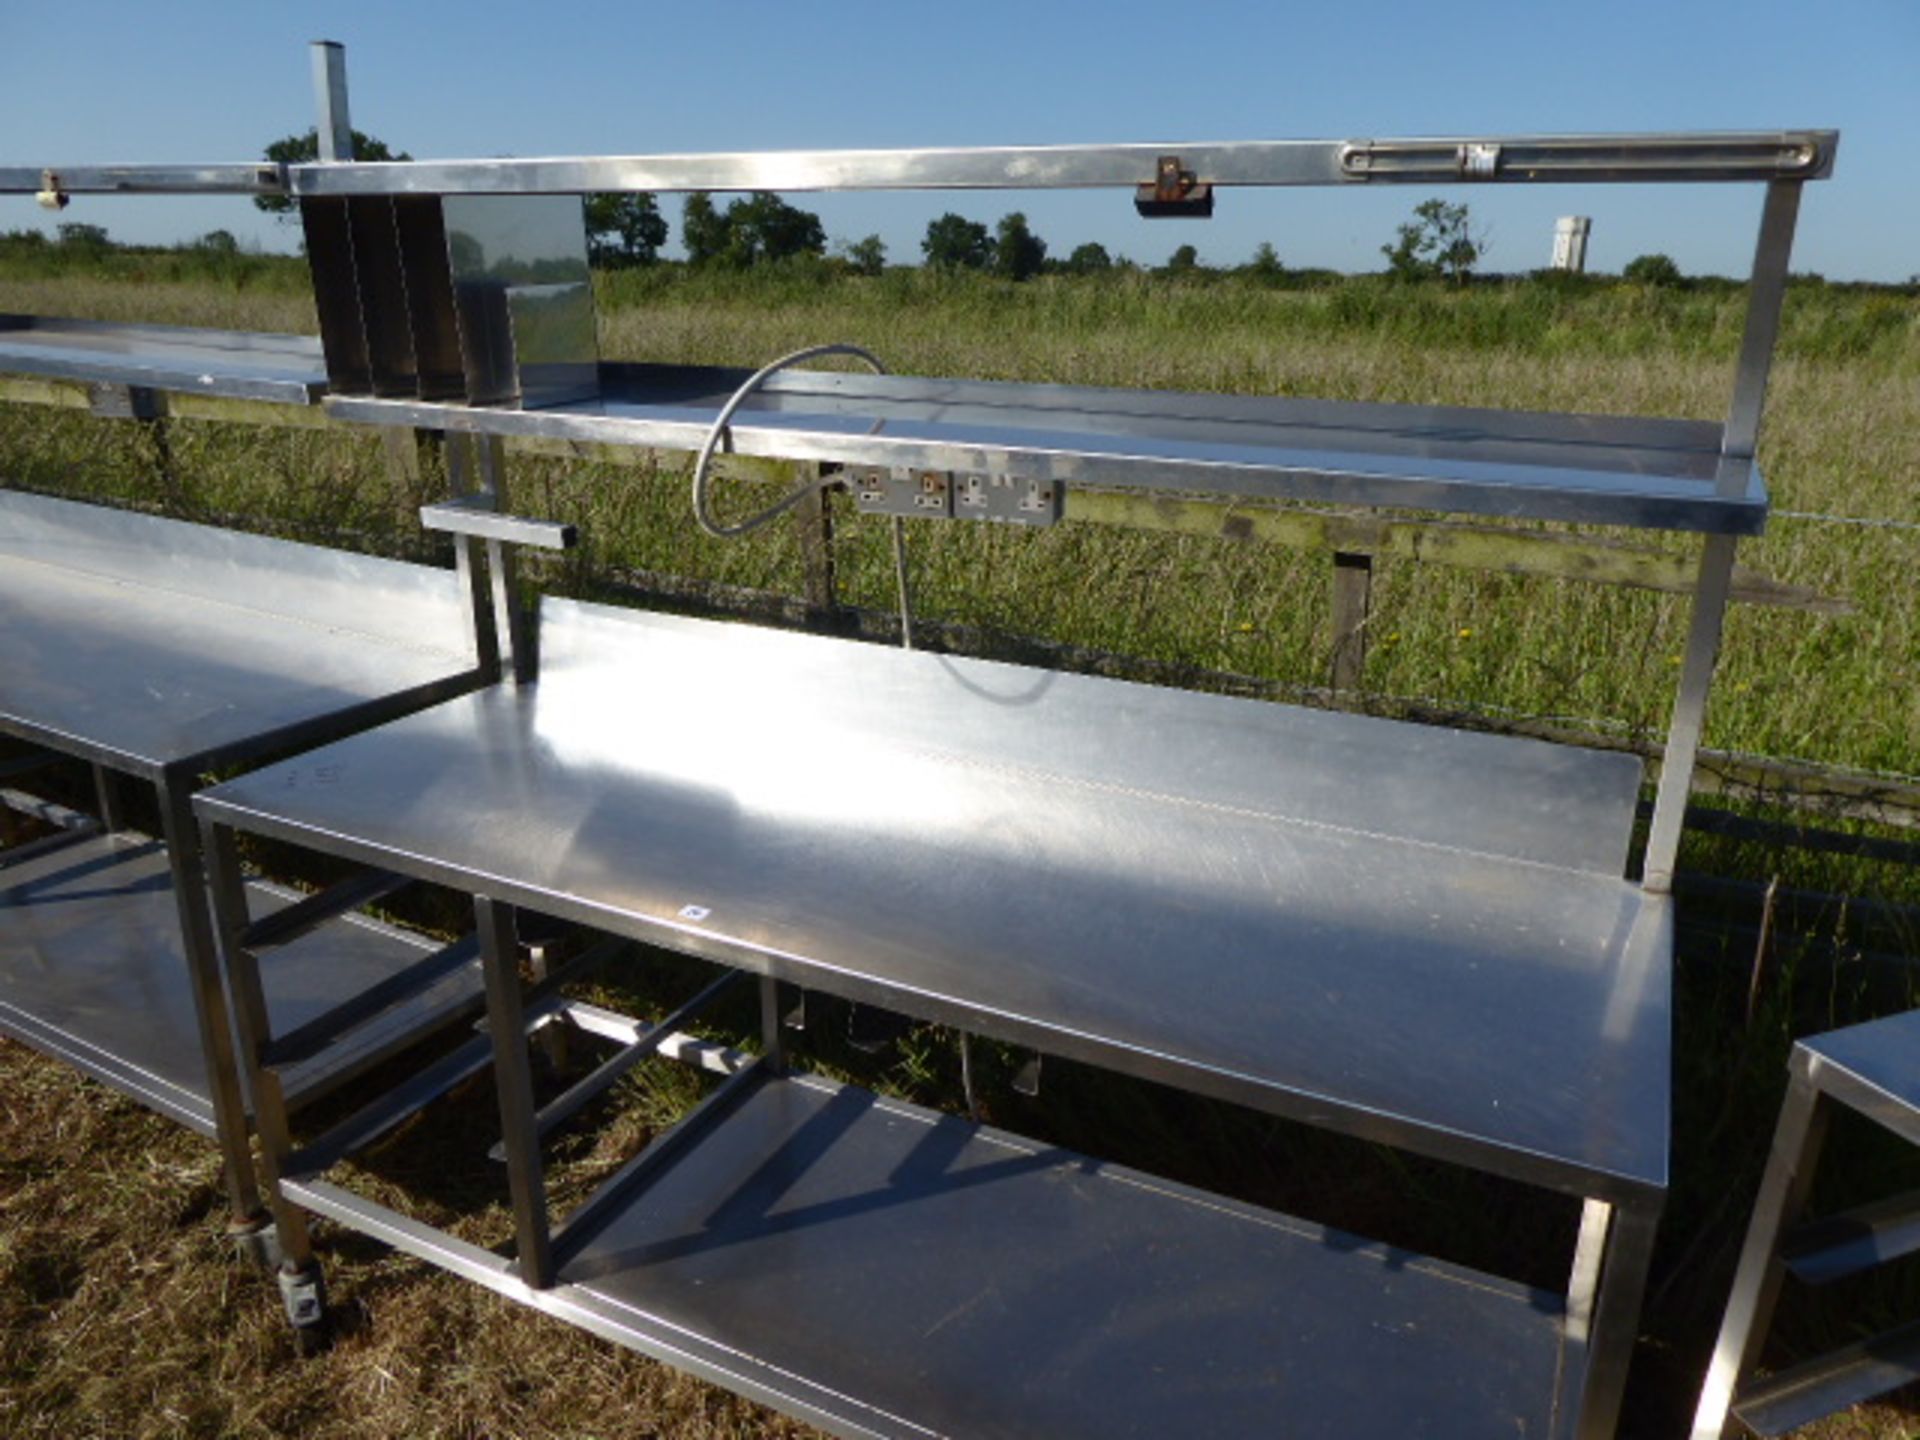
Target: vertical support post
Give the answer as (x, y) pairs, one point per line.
(1713, 583)
(813, 526)
(1766, 292)
(773, 1043)
(513, 1081)
(461, 480)
(1352, 600)
(256, 1031)
(335, 128)
(209, 998)
(106, 794)
(1616, 1317)
(1797, 1141)
(1583, 1284)
(512, 634)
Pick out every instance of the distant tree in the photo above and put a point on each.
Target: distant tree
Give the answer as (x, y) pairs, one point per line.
(1266, 262)
(304, 150)
(1656, 270)
(868, 256)
(1439, 243)
(217, 242)
(703, 230)
(954, 242)
(1018, 253)
(624, 228)
(764, 227)
(1184, 260)
(84, 237)
(754, 228)
(1089, 259)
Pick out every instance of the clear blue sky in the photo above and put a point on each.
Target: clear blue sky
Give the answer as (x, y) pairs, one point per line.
(217, 81)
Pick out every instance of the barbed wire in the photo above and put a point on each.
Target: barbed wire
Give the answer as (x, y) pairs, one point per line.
(1865, 522)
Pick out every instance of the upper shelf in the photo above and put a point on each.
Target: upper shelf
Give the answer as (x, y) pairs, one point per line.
(1597, 469)
(236, 364)
(1674, 156)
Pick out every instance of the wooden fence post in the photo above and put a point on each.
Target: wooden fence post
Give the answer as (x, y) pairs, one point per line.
(1352, 597)
(813, 525)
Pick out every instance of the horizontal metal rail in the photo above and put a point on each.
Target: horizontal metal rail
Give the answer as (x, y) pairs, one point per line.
(1525, 159)
(474, 515)
(245, 177)
(608, 1200)
(304, 916)
(601, 1078)
(308, 1040)
(368, 1124)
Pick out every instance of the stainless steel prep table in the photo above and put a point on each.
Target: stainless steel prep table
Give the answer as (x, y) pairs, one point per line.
(1409, 934)
(158, 649)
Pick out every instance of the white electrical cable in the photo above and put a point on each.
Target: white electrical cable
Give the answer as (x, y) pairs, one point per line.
(720, 431)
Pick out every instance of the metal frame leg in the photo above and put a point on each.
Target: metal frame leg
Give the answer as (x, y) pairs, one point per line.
(106, 792)
(1797, 1141)
(209, 1001)
(256, 1030)
(1711, 588)
(1616, 1315)
(513, 1080)
(773, 1039)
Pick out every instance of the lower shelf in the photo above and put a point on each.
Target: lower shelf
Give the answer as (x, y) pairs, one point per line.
(888, 1271)
(92, 971)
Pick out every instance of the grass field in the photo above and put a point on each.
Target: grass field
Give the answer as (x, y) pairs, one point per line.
(196, 1344)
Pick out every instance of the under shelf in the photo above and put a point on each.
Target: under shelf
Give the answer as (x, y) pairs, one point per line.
(884, 1270)
(92, 971)
(1600, 469)
(236, 364)
(1415, 935)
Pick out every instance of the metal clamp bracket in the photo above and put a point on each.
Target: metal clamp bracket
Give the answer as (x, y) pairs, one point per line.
(1175, 194)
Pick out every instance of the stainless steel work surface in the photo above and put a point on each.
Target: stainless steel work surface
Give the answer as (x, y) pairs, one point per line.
(820, 1244)
(1605, 469)
(239, 364)
(145, 643)
(91, 970)
(1881, 1056)
(1410, 933)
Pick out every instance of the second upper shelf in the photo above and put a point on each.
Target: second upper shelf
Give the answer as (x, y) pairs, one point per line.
(1597, 469)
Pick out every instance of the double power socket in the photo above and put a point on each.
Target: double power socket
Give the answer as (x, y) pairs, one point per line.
(950, 495)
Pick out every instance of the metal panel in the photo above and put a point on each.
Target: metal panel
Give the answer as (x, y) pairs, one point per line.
(1598, 469)
(336, 295)
(524, 298)
(256, 639)
(1759, 155)
(233, 363)
(92, 971)
(1278, 906)
(382, 287)
(430, 305)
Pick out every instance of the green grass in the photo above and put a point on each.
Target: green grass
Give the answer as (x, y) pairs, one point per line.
(1843, 437)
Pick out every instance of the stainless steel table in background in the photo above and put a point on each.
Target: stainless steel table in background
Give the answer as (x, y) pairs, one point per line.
(159, 650)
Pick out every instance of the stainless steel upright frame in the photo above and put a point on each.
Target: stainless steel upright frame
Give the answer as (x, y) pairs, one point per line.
(1614, 1248)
